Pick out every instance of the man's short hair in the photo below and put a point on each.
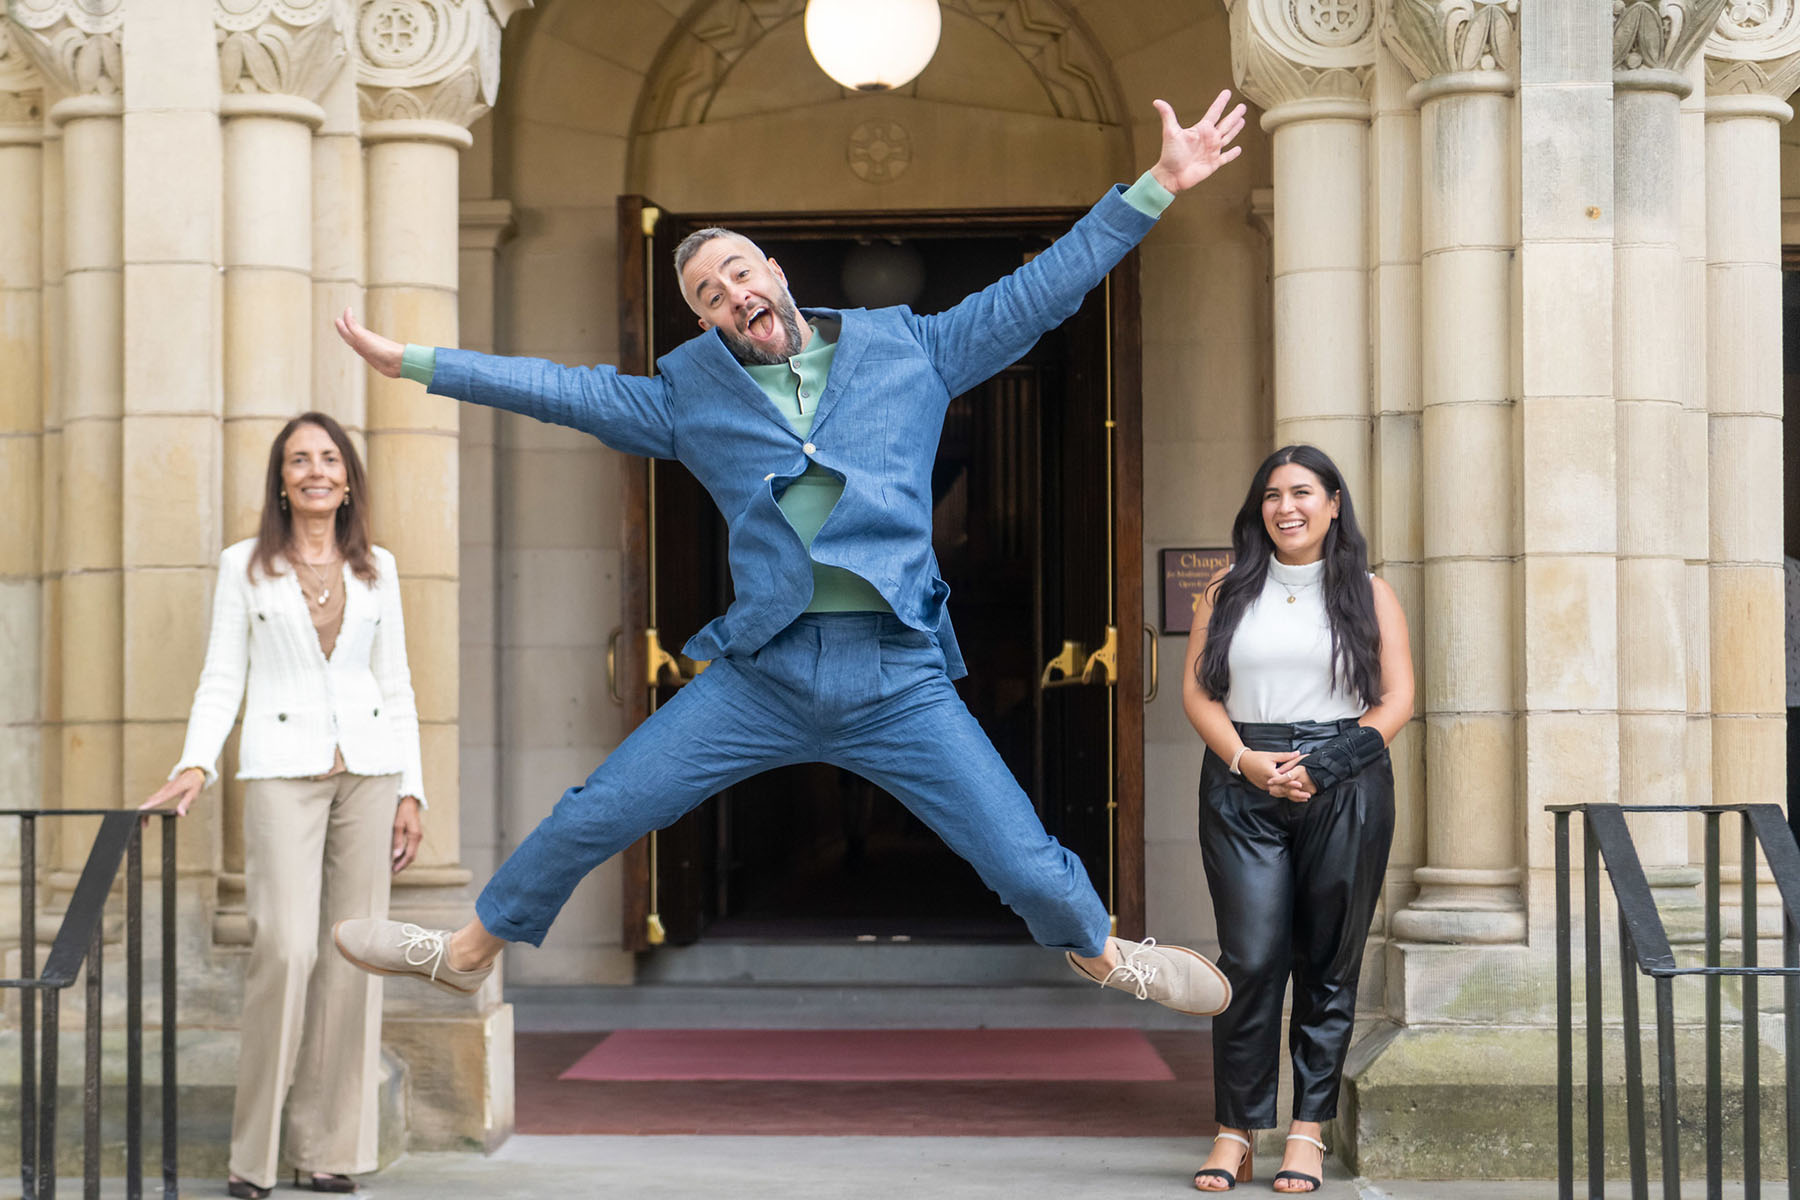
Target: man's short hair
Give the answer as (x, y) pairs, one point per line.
(690, 245)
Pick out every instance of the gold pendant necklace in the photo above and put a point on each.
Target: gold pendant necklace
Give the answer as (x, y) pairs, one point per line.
(324, 588)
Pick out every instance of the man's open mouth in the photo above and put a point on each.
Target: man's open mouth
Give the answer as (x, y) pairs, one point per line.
(761, 324)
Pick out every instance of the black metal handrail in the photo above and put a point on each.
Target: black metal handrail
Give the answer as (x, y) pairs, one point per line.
(1644, 943)
(79, 942)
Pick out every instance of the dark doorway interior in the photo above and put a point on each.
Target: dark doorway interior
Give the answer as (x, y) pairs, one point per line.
(1019, 530)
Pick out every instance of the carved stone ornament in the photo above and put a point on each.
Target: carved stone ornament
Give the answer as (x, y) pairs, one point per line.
(1283, 51)
(1754, 49)
(1661, 34)
(1444, 37)
(73, 43)
(879, 151)
(434, 60)
(281, 47)
(21, 88)
(1073, 71)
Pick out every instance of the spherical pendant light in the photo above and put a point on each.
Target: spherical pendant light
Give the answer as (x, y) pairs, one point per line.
(872, 45)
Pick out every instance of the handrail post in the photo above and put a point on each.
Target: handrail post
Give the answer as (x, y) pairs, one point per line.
(90, 1073)
(28, 1008)
(1715, 1080)
(1665, 1074)
(1634, 1064)
(134, 1016)
(170, 1151)
(1752, 1021)
(1565, 1020)
(1596, 1075)
(47, 1086)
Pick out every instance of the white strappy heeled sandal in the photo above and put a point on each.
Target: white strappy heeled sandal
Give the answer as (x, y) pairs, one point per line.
(1231, 1178)
(1302, 1176)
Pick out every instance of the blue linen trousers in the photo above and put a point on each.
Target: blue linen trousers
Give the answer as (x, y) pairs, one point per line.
(862, 691)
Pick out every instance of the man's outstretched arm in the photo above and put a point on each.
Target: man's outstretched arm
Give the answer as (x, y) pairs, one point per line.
(627, 412)
(998, 324)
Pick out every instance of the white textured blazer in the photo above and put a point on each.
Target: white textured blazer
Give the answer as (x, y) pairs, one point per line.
(299, 705)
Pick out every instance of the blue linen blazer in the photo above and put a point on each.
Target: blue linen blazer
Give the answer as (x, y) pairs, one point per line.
(876, 427)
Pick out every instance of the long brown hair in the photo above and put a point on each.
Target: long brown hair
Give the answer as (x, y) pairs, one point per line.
(275, 536)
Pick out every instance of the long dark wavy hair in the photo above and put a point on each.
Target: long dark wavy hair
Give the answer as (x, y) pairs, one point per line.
(1349, 599)
(275, 536)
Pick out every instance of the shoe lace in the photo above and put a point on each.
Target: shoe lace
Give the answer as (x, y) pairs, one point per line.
(431, 946)
(1136, 975)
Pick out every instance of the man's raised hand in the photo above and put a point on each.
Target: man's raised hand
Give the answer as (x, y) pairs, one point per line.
(379, 352)
(1190, 154)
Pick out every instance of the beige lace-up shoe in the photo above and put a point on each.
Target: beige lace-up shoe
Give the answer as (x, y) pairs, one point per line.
(402, 948)
(1173, 976)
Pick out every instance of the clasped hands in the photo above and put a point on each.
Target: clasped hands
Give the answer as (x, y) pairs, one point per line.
(1279, 773)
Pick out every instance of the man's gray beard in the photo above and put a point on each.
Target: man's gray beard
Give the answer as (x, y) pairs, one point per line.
(751, 354)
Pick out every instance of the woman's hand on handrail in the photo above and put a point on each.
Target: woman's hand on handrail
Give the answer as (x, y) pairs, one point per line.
(181, 790)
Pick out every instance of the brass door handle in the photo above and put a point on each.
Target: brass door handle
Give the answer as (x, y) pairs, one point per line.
(663, 667)
(1104, 662)
(1065, 669)
(1155, 664)
(612, 666)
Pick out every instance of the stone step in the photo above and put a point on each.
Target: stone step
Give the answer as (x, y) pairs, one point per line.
(871, 963)
(207, 1079)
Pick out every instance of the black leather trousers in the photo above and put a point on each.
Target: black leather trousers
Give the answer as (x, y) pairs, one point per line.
(1294, 886)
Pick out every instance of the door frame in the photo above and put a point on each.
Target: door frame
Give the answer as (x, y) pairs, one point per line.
(638, 272)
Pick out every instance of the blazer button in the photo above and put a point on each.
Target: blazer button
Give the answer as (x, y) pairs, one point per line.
(261, 617)
(810, 448)
(378, 712)
(281, 716)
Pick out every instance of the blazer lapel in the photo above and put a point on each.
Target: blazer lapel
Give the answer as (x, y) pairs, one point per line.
(853, 339)
(715, 360)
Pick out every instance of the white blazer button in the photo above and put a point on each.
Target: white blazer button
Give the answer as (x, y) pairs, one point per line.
(810, 448)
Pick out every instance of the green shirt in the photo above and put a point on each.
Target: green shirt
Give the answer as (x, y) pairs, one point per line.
(794, 388)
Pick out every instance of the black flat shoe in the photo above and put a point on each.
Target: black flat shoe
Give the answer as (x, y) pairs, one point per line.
(1301, 1176)
(243, 1189)
(340, 1184)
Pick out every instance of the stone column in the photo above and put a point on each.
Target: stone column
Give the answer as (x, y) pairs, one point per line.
(486, 223)
(1465, 58)
(76, 49)
(1309, 68)
(339, 383)
(426, 69)
(1752, 67)
(22, 385)
(1649, 361)
(1695, 469)
(1394, 518)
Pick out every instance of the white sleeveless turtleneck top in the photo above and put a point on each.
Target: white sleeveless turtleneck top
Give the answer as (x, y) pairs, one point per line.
(1280, 656)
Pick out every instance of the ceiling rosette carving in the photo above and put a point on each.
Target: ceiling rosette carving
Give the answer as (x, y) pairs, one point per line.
(74, 44)
(281, 47)
(1073, 72)
(1283, 51)
(436, 60)
(1444, 37)
(1754, 49)
(1661, 34)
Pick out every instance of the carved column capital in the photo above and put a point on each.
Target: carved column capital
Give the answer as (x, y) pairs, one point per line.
(1661, 35)
(1474, 41)
(434, 61)
(21, 92)
(1754, 50)
(74, 44)
(1304, 52)
(291, 49)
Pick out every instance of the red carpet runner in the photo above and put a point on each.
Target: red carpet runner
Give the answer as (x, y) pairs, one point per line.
(884, 1084)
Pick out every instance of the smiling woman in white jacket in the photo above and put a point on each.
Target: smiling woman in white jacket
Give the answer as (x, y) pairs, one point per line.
(307, 635)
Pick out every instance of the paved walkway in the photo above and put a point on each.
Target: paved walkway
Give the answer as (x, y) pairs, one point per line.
(862, 1168)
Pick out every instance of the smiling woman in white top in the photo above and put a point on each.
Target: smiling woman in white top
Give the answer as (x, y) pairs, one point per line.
(307, 635)
(1298, 675)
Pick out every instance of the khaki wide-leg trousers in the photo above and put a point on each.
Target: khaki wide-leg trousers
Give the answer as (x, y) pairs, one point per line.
(315, 852)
